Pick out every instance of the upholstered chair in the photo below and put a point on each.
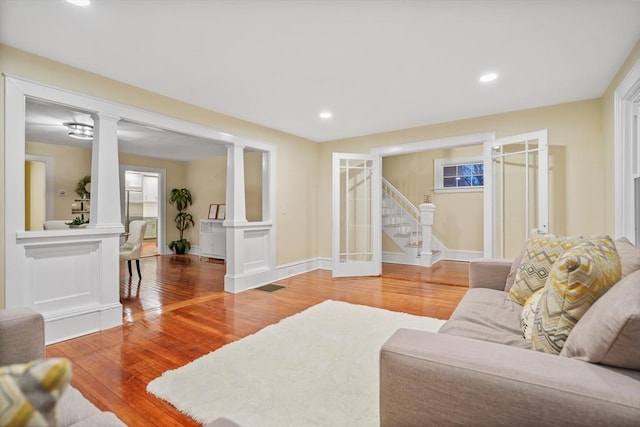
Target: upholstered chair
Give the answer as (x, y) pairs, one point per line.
(133, 246)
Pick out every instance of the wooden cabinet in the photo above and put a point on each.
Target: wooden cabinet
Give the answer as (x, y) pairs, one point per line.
(212, 239)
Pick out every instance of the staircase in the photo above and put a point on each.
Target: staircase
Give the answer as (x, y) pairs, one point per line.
(401, 222)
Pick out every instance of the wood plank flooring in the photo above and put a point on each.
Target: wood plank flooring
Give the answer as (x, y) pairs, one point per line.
(179, 312)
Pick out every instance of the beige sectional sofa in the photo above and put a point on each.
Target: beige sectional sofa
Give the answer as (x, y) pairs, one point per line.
(479, 370)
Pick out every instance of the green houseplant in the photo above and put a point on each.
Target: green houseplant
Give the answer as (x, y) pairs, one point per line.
(181, 197)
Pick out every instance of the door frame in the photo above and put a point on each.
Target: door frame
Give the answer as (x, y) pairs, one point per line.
(625, 96)
(362, 268)
(49, 182)
(543, 184)
(421, 146)
(161, 238)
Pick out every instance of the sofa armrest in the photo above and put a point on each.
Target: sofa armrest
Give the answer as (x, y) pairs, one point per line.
(21, 335)
(440, 379)
(489, 273)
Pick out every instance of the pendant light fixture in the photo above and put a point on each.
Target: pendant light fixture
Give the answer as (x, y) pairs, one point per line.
(79, 130)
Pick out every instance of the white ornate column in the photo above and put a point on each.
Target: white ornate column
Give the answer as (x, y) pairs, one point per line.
(250, 246)
(105, 175)
(236, 209)
(426, 222)
(235, 218)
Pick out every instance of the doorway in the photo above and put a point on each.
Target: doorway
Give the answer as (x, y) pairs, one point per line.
(142, 199)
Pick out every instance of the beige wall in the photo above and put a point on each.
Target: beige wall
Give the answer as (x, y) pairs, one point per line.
(575, 136)
(70, 165)
(206, 179)
(458, 216)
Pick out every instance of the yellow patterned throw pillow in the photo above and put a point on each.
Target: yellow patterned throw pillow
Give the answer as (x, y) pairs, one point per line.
(528, 315)
(29, 392)
(541, 251)
(578, 278)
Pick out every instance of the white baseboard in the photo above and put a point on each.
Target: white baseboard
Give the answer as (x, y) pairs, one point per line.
(298, 267)
(399, 258)
(75, 323)
(458, 255)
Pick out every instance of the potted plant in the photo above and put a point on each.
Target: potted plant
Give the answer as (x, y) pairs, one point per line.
(76, 223)
(181, 197)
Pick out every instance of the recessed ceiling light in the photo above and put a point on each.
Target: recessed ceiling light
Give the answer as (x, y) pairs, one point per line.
(326, 115)
(489, 77)
(80, 2)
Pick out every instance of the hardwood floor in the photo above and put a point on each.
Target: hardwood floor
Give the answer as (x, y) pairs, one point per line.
(179, 312)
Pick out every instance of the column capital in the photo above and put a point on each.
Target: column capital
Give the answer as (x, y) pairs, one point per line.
(105, 116)
(232, 146)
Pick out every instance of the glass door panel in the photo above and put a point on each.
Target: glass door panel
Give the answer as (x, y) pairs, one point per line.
(356, 225)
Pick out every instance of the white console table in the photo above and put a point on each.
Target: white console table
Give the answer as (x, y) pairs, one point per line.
(212, 239)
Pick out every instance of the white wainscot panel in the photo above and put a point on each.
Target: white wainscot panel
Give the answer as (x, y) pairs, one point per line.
(256, 250)
(62, 277)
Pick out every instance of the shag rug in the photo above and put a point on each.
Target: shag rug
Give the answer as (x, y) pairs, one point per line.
(316, 368)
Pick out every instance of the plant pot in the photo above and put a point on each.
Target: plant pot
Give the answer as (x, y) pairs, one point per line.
(180, 247)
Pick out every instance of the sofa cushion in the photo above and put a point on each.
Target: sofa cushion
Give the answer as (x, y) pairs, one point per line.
(541, 251)
(29, 392)
(629, 256)
(488, 315)
(75, 410)
(609, 333)
(577, 279)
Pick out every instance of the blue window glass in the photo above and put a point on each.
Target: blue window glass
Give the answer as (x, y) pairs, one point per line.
(465, 170)
(464, 181)
(463, 175)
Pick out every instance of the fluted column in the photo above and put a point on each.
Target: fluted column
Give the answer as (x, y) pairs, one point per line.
(105, 190)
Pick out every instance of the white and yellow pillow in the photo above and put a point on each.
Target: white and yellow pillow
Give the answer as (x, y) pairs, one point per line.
(541, 252)
(577, 279)
(29, 392)
(528, 315)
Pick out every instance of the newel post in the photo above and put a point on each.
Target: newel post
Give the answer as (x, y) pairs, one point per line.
(426, 222)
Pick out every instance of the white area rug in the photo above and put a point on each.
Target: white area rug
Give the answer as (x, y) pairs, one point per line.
(316, 368)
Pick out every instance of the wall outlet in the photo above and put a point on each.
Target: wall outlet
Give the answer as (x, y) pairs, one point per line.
(62, 193)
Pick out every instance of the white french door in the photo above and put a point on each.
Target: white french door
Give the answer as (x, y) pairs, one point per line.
(516, 191)
(356, 212)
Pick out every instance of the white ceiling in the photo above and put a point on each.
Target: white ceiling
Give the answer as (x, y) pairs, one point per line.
(377, 65)
(44, 123)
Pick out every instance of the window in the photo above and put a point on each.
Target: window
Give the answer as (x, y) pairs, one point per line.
(458, 174)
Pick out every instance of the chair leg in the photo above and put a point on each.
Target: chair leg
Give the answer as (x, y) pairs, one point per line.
(129, 265)
(138, 267)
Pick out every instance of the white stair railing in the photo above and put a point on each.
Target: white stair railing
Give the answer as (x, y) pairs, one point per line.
(406, 225)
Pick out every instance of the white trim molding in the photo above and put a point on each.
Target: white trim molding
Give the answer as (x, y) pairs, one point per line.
(625, 96)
